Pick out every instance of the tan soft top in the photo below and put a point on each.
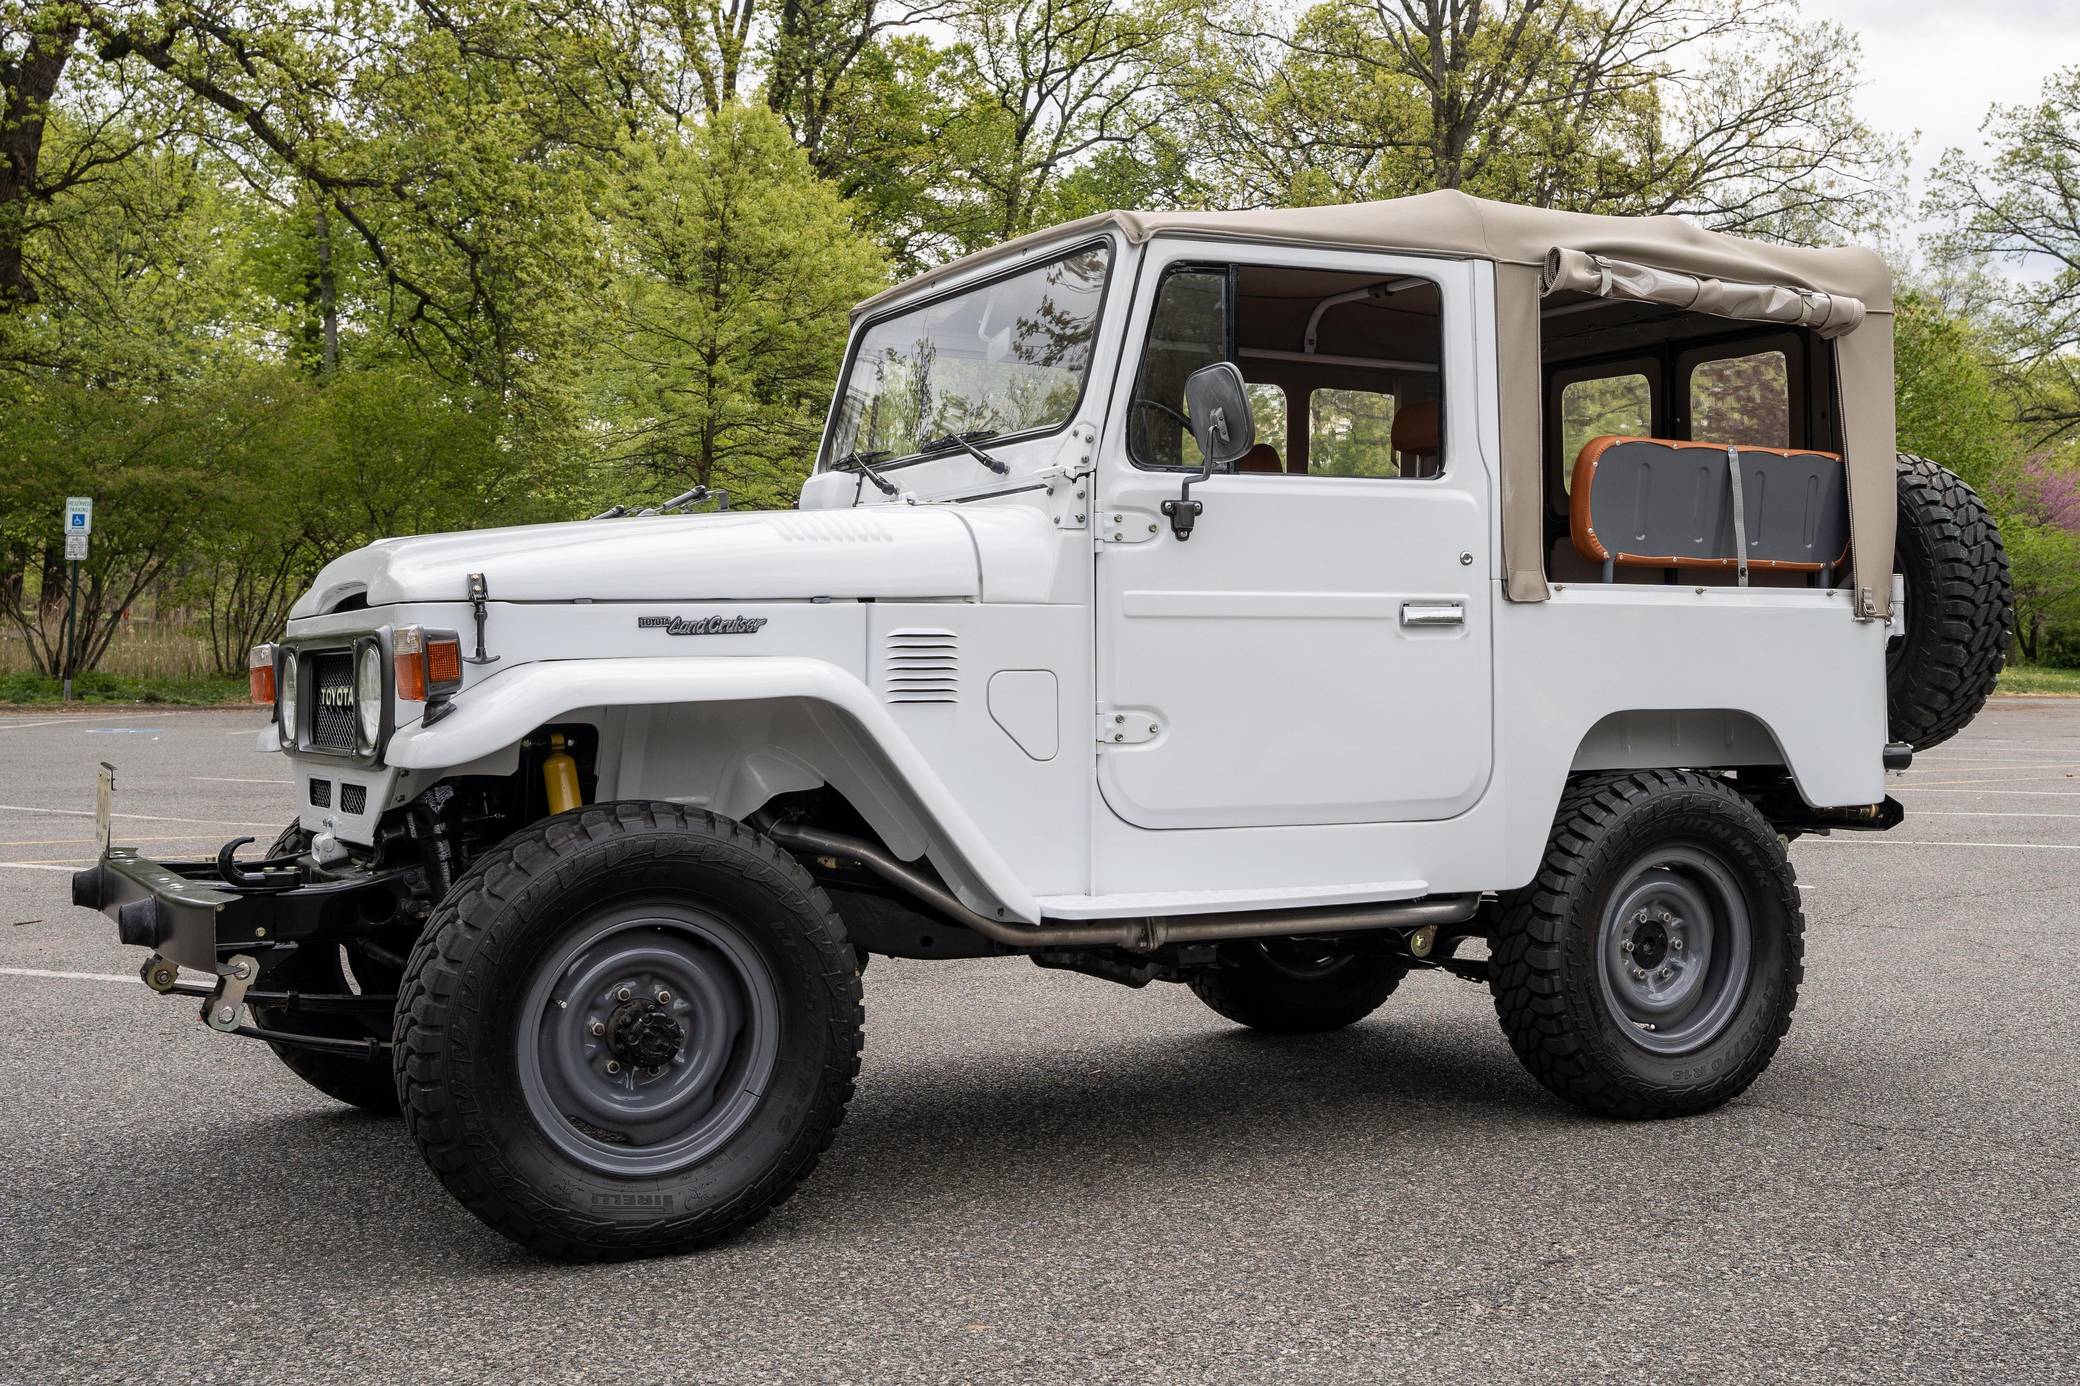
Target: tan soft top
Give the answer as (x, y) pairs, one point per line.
(1451, 223)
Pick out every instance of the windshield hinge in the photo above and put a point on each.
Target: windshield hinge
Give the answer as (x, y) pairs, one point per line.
(1126, 726)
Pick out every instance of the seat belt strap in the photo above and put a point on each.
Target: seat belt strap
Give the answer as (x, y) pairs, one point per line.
(1740, 519)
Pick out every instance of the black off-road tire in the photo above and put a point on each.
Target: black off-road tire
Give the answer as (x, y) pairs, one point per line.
(464, 1007)
(1960, 606)
(1270, 984)
(363, 1083)
(1555, 1009)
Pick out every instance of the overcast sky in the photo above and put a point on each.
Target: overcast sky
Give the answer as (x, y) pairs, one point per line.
(1936, 65)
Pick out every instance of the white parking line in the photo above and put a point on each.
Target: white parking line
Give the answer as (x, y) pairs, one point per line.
(2073, 793)
(1966, 813)
(45, 865)
(67, 976)
(236, 779)
(142, 817)
(1874, 840)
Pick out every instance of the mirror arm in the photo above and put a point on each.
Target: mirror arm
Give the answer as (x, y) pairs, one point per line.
(1184, 512)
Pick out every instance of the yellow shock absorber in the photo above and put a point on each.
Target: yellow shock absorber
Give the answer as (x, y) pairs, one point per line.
(560, 777)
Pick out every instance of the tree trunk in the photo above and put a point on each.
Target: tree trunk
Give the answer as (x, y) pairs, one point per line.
(26, 89)
(328, 298)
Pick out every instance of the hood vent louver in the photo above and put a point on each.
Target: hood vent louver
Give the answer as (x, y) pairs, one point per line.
(921, 666)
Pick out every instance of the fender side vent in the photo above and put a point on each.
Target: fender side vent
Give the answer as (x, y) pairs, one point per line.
(921, 666)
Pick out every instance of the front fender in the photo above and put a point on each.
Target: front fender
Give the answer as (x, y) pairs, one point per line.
(842, 732)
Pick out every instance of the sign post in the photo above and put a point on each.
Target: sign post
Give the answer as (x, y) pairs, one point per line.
(79, 523)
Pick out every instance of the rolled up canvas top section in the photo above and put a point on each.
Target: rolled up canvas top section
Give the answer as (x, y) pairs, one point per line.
(1583, 271)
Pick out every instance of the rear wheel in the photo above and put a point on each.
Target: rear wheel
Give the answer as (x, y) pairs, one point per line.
(1652, 966)
(630, 1029)
(325, 968)
(1951, 641)
(1299, 986)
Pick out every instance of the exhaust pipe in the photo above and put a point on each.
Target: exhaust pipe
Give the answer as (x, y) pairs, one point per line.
(1140, 935)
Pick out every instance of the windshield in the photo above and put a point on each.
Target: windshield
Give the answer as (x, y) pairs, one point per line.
(1005, 357)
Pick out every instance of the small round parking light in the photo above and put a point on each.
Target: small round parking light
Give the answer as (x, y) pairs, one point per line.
(368, 694)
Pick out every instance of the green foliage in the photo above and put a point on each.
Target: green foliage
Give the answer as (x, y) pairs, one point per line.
(123, 688)
(1947, 405)
(738, 270)
(278, 281)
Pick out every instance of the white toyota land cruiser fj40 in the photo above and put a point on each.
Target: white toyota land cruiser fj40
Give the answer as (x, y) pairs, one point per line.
(1270, 602)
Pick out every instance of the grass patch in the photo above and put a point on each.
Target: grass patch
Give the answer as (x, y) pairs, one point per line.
(202, 690)
(2035, 678)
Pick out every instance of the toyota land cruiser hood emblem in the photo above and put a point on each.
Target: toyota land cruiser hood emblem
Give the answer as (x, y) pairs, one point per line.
(702, 625)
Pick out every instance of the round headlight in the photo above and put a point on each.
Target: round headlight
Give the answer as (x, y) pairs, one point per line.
(368, 694)
(288, 696)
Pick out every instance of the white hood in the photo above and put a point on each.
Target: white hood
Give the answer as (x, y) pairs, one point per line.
(891, 552)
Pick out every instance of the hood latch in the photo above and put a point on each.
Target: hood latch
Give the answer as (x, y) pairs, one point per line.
(478, 595)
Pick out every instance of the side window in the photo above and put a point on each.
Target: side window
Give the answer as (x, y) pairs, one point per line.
(1350, 433)
(1620, 406)
(1269, 410)
(1742, 399)
(1188, 330)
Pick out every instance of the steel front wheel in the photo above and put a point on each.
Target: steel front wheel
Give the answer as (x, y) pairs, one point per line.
(1653, 965)
(630, 1030)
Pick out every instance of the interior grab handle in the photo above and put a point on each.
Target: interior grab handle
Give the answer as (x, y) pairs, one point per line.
(1433, 613)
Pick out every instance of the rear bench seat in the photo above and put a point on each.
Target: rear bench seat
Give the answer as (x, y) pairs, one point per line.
(1669, 504)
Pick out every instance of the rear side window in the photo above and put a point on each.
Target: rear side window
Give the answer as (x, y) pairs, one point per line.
(1619, 406)
(1742, 399)
(1350, 433)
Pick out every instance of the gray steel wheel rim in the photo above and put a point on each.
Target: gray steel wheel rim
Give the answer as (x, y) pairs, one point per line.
(1679, 916)
(635, 1122)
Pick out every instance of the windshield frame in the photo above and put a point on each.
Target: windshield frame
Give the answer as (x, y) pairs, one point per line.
(1037, 259)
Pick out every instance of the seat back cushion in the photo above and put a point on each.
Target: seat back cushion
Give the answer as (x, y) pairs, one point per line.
(1662, 503)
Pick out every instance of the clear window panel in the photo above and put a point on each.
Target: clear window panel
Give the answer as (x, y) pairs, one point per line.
(1350, 433)
(1742, 399)
(1009, 356)
(1611, 406)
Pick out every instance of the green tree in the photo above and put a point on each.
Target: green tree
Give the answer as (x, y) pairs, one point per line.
(738, 269)
(2021, 209)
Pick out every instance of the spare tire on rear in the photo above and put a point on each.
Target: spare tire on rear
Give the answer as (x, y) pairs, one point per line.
(1945, 654)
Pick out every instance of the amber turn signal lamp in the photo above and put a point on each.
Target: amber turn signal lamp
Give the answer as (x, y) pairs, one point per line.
(260, 674)
(428, 662)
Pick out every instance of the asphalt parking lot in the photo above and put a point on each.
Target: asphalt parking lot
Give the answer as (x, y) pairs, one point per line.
(1049, 1178)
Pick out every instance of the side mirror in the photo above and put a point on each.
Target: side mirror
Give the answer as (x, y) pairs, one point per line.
(1218, 405)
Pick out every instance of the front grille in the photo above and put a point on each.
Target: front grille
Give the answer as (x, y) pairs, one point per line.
(332, 700)
(353, 798)
(321, 793)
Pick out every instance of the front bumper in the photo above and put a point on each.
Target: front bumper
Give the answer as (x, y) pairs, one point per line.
(192, 915)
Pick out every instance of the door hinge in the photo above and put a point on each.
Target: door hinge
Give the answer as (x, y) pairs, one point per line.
(1125, 526)
(1126, 726)
(1068, 481)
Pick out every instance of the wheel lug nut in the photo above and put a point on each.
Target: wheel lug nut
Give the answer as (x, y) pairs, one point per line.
(1663, 974)
(1667, 918)
(664, 998)
(1639, 974)
(1640, 918)
(1676, 944)
(1626, 946)
(613, 1066)
(623, 994)
(599, 1027)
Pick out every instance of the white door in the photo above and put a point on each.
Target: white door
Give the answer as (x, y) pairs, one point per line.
(1319, 650)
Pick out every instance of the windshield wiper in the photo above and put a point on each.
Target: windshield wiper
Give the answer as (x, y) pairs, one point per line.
(863, 463)
(966, 443)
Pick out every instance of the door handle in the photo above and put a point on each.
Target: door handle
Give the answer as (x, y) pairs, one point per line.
(1433, 613)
